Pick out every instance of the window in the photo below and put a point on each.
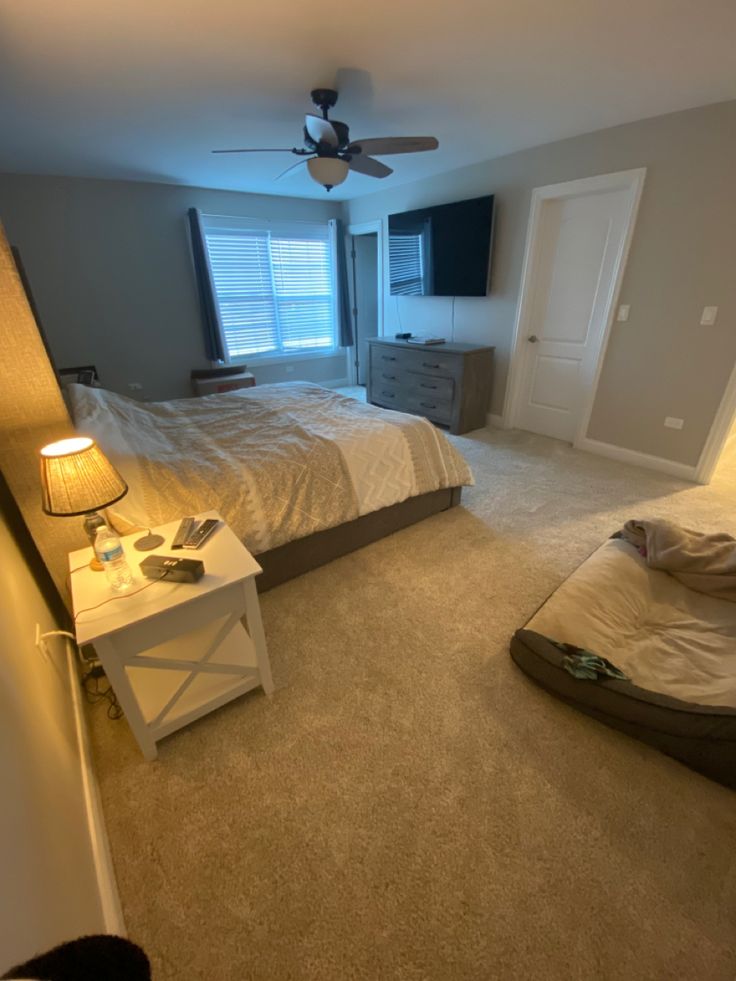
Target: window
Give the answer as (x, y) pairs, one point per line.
(274, 284)
(405, 257)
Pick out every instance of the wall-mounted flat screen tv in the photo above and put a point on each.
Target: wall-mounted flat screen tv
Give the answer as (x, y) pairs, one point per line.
(442, 251)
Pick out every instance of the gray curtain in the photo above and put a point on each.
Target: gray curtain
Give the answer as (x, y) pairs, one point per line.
(344, 313)
(208, 307)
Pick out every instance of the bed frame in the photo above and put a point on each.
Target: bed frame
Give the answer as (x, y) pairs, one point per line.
(300, 556)
(32, 416)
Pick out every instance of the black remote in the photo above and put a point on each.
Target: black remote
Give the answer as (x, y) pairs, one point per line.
(183, 532)
(200, 535)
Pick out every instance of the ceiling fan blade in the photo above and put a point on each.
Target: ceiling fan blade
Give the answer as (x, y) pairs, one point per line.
(368, 166)
(278, 149)
(290, 170)
(382, 145)
(320, 130)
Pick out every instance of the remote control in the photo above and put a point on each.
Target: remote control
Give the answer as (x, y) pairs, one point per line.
(183, 532)
(200, 535)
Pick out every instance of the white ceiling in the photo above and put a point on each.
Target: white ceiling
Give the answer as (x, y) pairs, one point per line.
(144, 89)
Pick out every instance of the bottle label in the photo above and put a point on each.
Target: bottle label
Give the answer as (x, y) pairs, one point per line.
(109, 555)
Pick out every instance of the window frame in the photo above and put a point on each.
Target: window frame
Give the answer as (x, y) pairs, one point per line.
(284, 228)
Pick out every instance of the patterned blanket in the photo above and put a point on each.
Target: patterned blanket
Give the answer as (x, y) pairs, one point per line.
(279, 462)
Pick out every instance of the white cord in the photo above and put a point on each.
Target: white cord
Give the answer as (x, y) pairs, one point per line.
(57, 633)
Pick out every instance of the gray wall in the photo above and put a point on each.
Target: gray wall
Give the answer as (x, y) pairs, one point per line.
(661, 362)
(110, 269)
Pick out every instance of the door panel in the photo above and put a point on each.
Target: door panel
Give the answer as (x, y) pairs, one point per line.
(578, 241)
(554, 377)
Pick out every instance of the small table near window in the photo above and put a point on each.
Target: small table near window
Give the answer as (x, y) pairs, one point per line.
(175, 651)
(215, 383)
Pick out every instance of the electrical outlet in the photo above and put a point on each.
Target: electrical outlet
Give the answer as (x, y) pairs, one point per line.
(709, 316)
(289, 369)
(623, 313)
(672, 423)
(135, 387)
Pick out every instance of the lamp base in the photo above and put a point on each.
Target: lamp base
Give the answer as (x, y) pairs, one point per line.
(148, 541)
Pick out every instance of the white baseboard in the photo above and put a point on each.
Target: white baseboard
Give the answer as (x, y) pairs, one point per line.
(336, 383)
(105, 873)
(494, 421)
(681, 470)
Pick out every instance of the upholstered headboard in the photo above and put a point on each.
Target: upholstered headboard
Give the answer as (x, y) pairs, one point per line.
(32, 413)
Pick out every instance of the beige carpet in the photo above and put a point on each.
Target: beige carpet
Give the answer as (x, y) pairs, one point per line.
(408, 805)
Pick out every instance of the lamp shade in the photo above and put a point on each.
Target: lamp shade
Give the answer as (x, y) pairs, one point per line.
(328, 171)
(77, 477)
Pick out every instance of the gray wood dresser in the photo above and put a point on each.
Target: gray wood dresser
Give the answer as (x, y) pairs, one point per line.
(448, 383)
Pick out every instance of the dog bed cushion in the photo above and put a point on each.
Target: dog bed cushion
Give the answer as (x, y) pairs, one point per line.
(677, 646)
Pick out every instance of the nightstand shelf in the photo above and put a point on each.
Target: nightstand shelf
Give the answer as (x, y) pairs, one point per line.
(176, 651)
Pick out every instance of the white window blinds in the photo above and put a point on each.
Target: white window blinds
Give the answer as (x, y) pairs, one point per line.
(274, 284)
(406, 263)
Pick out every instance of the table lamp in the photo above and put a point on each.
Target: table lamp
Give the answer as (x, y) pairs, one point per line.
(78, 479)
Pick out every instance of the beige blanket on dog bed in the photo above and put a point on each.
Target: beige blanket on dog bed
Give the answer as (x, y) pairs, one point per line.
(666, 637)
(704, 562)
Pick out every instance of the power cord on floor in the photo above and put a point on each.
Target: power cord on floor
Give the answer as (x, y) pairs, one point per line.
(94, 693)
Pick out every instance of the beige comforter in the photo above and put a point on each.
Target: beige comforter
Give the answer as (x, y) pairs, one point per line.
(279, 462)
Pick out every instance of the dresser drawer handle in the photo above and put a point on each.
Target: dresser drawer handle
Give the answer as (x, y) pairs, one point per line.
(391, 378)
(388, 357)
(390, 395)
(426, 364)
(424, 385)
(428, 405)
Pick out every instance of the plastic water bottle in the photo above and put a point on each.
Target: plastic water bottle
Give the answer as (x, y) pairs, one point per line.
(109, 551)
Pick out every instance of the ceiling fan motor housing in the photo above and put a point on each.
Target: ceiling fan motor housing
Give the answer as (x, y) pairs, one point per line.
(343, 138)
(324, 99)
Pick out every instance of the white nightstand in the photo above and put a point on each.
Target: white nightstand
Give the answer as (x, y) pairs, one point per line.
(175, 651)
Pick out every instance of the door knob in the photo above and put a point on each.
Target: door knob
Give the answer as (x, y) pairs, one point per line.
(532, 338)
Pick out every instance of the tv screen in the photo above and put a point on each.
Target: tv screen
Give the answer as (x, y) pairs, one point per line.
(441, 251)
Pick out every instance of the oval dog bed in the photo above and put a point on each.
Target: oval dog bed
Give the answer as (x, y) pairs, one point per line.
(677, 647)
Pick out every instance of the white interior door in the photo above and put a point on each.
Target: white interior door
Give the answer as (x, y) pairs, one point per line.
(576, 256)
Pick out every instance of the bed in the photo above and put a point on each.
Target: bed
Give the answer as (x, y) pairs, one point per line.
(301, 473)
(676, 646)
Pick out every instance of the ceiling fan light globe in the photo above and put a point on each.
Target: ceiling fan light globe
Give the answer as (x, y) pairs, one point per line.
(328, 171)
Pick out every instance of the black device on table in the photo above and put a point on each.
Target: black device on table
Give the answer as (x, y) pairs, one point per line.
(191, 534)
(171, 569)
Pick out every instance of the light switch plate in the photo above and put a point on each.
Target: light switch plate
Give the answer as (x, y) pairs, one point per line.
(672, 423)
(623, 313)
(709, 316)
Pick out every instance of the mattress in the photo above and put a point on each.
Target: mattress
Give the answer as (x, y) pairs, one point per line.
(279, 462)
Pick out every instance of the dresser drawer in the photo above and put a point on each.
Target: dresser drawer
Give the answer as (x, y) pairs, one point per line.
(431, 386)
(387, 393)
(439, 410)
(387, 374)
(411, 359)
(427, 361)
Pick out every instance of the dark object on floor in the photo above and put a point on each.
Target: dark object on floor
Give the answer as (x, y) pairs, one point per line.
(94, 958)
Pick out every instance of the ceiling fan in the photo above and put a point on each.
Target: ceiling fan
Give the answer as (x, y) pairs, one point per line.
(330, 155)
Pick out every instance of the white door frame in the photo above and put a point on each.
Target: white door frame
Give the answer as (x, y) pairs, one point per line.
(631, 181)
(368, 228)
(722, 423)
